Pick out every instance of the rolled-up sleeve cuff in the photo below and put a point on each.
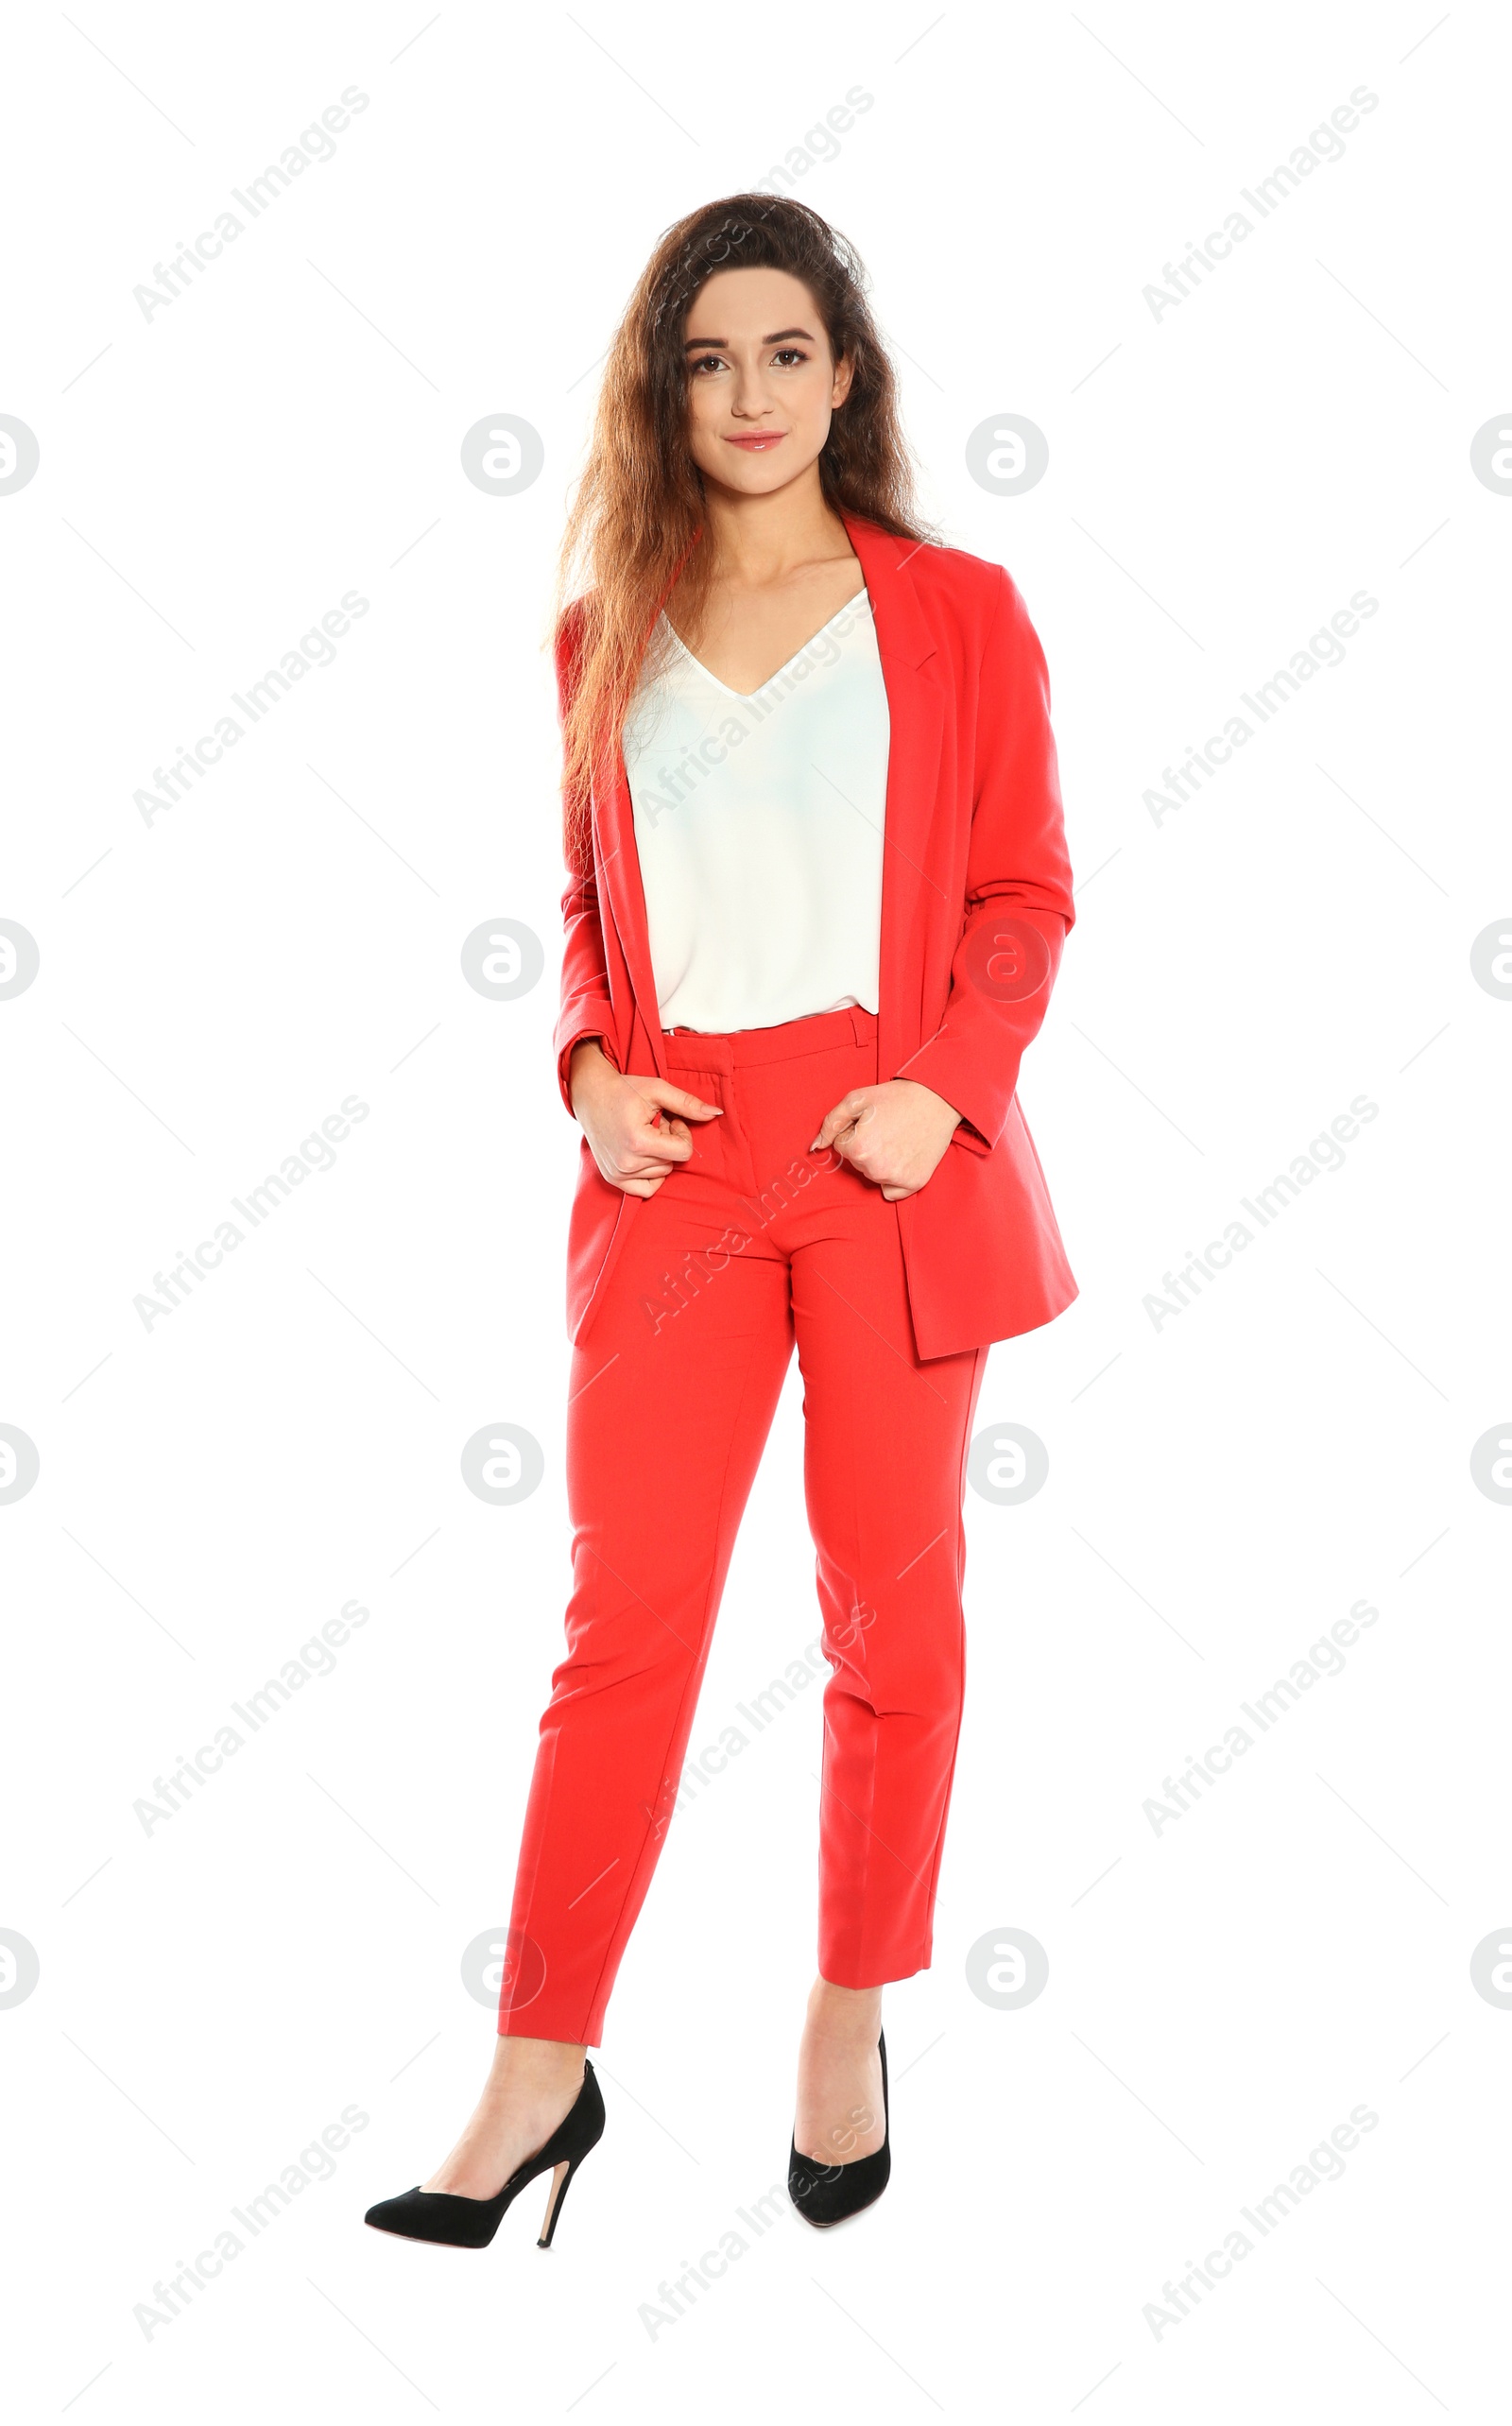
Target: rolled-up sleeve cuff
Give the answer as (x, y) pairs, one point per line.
(935, 1065)
(972, 1139)
(590, 1020)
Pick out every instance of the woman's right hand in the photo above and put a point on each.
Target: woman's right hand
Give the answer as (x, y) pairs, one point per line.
(633, 1147)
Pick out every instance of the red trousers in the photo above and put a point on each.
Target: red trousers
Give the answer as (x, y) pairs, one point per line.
(752, 1244)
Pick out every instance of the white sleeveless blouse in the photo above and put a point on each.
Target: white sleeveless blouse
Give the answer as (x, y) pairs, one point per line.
(759, 830)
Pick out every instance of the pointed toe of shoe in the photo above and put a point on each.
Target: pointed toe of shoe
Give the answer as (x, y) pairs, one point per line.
(437, 2215)
(826, 2194)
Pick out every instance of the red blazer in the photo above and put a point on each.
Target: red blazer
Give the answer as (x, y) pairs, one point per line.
(975, 907)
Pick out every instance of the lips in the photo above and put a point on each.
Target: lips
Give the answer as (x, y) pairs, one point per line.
(760, 443)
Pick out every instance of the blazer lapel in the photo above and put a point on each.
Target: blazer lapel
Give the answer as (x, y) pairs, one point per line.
(916, 713)
(621, 890)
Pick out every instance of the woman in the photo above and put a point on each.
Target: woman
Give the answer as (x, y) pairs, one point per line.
(818, 894)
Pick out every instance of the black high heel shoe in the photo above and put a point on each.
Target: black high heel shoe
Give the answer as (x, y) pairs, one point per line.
(472, 2223)
(826, 2194)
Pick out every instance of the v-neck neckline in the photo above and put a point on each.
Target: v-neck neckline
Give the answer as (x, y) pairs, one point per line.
(807, 645)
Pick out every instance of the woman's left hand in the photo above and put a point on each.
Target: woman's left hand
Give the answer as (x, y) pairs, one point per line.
(895, 1134)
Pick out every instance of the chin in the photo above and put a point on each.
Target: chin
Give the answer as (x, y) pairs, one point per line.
(755, 475)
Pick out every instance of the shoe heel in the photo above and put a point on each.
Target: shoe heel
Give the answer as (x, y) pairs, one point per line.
(561, 2180)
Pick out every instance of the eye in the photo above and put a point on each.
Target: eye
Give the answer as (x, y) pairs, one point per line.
(790, 353)
(703, 360)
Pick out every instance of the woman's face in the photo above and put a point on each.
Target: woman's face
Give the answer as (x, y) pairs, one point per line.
(761, 383)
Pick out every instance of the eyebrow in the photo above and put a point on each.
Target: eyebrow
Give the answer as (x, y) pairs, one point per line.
(775, 338)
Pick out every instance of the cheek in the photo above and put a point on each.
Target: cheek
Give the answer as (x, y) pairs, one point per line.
(705, 409)
(814, 392)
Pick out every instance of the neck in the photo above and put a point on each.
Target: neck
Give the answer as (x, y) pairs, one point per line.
(757, 541)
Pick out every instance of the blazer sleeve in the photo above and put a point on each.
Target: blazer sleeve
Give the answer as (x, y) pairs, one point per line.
(586, 1009)
(1018, 888)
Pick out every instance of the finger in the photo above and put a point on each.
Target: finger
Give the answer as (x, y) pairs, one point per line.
(634, 1166)
(657, 1142)
(842, 1115)
(676, 1100)
(662, 1139)
(637, 1175)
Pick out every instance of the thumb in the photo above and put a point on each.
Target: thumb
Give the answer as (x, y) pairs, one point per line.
(842, 1116)
(676, 1100)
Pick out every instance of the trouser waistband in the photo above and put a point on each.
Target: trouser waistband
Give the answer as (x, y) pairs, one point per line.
(690, 1049)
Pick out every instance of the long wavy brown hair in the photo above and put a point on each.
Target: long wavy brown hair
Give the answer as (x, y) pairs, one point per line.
(638, 512)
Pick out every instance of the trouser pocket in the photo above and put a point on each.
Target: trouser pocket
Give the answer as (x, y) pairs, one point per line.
(719, 1152)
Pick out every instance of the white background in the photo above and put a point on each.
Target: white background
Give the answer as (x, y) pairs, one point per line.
(1221, 1489)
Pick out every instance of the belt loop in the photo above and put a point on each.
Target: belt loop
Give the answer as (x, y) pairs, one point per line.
(866, 1028)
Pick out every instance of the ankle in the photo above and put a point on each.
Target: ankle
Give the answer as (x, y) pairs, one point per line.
(852, 2015)
(535, 2067)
